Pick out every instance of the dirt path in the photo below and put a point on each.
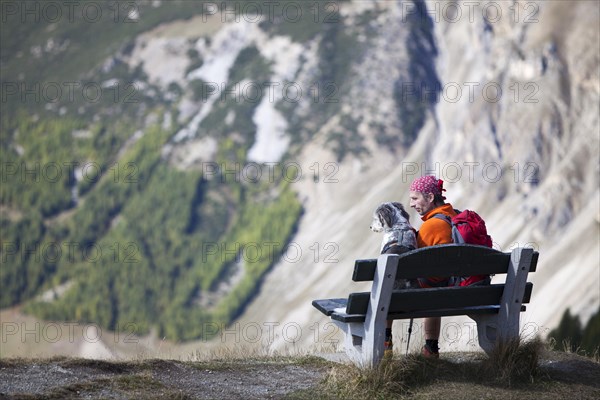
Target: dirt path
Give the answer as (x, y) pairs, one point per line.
(90, 379)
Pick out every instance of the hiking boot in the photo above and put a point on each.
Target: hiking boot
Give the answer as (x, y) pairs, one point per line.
(427, 352)
(388, 349)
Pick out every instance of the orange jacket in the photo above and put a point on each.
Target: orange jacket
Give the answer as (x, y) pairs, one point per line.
(434, 230)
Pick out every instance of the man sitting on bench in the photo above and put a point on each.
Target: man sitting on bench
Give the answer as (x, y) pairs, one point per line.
(427, 199)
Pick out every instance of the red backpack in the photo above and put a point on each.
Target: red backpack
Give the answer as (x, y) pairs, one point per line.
(468, 227)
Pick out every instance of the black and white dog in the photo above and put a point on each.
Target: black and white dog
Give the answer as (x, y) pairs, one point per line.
(398, 235)
(392, 220)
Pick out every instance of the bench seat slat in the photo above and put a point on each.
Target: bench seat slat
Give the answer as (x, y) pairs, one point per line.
(435, 298)
(343, 317)
(327, 306)
(443, 261)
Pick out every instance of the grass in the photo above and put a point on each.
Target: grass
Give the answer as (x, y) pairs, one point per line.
(568, 347)
(512, 369)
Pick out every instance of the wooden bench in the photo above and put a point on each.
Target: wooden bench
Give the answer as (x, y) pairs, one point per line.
(496, 308)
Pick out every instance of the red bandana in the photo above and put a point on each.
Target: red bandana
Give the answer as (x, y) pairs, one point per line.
(428, 184)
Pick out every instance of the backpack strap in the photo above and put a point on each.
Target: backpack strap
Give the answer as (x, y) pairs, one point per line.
(456, 236)
(443, 217)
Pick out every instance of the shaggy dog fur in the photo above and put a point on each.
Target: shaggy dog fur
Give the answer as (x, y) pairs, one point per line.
(398, 235)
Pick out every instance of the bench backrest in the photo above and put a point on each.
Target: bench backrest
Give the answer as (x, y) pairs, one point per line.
(441, 261)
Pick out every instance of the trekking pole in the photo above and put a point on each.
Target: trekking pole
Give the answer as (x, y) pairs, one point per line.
(409, 332)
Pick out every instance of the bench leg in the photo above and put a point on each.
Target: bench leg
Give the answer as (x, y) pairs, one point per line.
(363, 347)
(376, 318)
(364, 341)
(505, 325)
(373, 345)
(353, 340)
(490, 331)
(486, 331)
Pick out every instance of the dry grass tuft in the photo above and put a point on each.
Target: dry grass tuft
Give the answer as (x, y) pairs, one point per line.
(391, 377)
(239, 352)
(514, 361)
(511, 363)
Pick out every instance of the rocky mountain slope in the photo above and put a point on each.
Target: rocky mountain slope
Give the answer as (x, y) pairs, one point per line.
(278, 135)
(524, 154)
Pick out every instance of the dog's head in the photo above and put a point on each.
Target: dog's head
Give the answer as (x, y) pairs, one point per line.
(388, 215)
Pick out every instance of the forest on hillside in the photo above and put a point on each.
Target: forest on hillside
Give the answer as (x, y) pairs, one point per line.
(96, 225)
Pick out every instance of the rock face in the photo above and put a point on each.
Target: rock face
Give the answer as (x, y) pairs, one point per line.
(543, 131)
(514, 134)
